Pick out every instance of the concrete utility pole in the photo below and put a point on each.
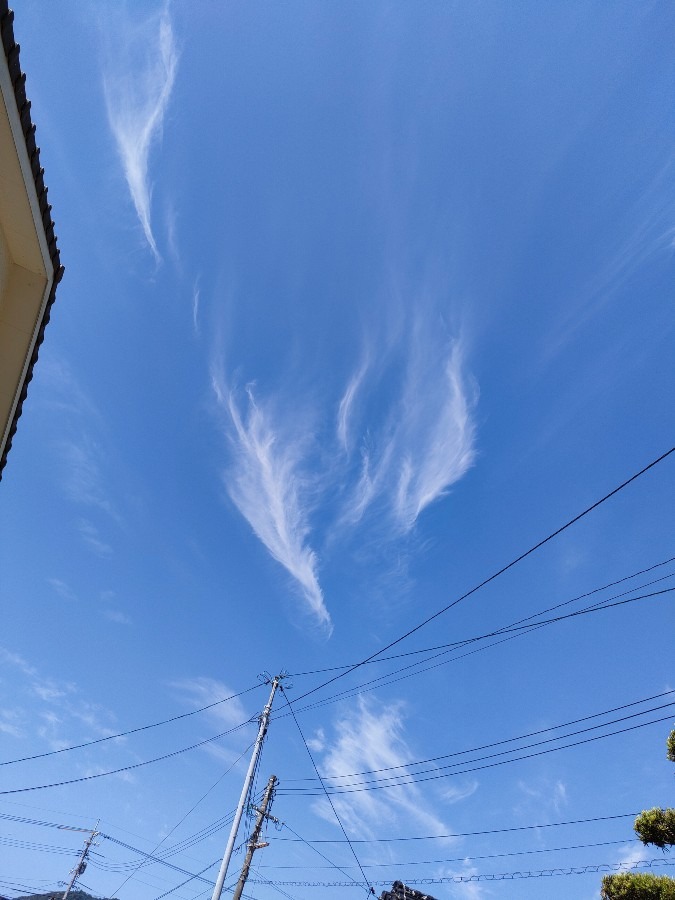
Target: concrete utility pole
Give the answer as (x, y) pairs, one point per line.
(254, 842)
(262, 731)
(81, 863)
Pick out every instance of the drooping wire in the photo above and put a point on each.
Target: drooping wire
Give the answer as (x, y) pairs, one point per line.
(542, 612)
(421, 665)
(502, 762)
(521, 737)
(113, 737)
(316, 850)
(465, 858)
(505, 876)
(25, 821)
(369, 887)
(188, 880)
(460, 834)
(147, 762)
(493, 576)
(180, 822)
(157, 859)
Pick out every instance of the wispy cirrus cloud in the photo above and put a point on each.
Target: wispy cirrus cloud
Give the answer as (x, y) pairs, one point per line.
(403, 433)
(202, 691)
(92, 538)
(269, 482)
(53, 710)
(346, 404)
(62, 589)
(371, 736)
(84, 456)
(138, 80)
(424, 443)
(117, 616)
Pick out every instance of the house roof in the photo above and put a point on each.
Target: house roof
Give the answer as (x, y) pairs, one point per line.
(18, 80)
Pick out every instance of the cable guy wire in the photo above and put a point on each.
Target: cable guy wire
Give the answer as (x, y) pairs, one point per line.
(367, 883)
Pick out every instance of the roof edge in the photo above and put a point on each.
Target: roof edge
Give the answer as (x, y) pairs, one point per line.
(23, 106)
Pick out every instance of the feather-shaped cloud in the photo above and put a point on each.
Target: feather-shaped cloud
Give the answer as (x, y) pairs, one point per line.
(268, 482)
(138, 84)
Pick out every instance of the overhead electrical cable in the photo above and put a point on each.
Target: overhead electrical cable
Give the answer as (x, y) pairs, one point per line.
(465, 858)
(368, 885)
(397, 780)
(316, 850)
(520, 737)
(502, 876)
(180, 822)
(8, 817)
(121, 734)
(502, 762)
(494, 575)
(542, 612)
(8, 841)
(158, 859)
(421, 666)
(129, 768)
(459, 834)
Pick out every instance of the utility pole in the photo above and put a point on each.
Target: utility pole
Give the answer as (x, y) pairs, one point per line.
(254, 843)
(81, 863)
(262, 731)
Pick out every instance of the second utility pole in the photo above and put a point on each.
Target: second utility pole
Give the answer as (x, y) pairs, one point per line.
(254, 842)
(262, 731)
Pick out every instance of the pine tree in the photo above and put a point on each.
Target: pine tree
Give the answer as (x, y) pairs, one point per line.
(653, 826)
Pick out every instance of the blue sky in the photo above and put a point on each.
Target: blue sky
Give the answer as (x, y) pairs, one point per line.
(362, 300)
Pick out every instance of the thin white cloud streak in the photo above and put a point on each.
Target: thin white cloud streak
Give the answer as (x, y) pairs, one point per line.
(268, 483)
(62, 715)
(427, 443)
(202, 691)
(137, 87)
(371, 736)
(92, 538)
(62, 589)
(346, 404)
(115, 615)
(195, 308)
(84, 481)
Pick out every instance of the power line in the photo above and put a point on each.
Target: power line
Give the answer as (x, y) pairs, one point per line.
(520, 737)
(8, 841)
(316, 850)
(158, 859)
(378, 786)
(112, 737)
(459, 834)
(594, 868)
(25, 821)
(494, 576)
(147, 762)
(436, 862)
(180, 822)
(542, 612)
(367, 883)
(519, 630)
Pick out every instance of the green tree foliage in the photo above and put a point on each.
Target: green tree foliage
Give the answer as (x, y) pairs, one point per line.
(656, 826)
(653, 826)
(670, 743)
(637, 886)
